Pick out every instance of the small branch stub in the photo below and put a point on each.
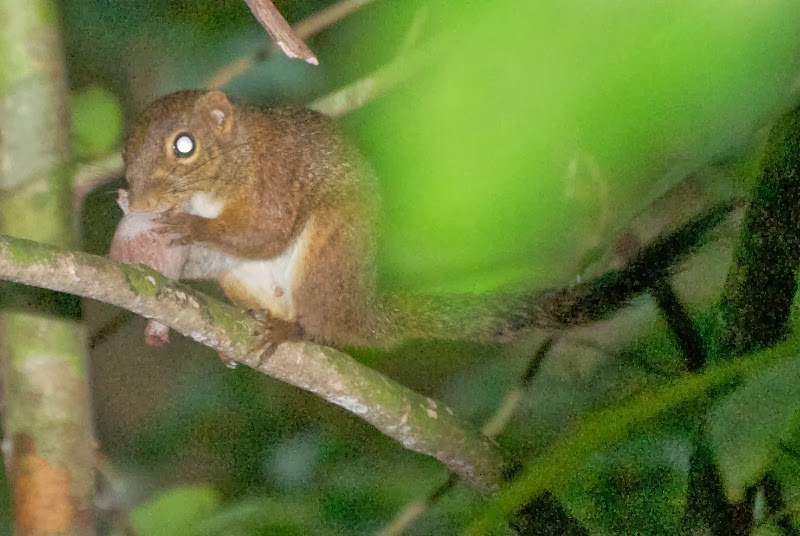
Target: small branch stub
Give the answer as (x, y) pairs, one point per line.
(279, 30)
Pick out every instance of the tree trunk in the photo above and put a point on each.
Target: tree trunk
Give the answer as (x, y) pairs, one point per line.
(48, 437)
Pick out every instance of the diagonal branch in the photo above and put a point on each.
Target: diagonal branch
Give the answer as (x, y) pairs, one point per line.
(279, 30)
(371, 86)
(315, 23)
(417, 422)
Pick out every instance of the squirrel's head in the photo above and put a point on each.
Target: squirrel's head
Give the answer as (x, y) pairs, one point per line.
(177, 147)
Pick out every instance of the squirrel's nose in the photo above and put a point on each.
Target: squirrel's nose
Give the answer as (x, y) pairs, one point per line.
(138, 202)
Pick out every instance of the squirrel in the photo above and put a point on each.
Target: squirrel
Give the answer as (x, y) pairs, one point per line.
(279, 208)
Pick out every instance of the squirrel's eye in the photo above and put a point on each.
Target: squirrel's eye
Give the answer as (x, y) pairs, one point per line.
(184, 145)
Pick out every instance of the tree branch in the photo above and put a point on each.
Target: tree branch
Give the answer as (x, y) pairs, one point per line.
(373, 85)
(315, 23)
(305, 28)
(417, 422)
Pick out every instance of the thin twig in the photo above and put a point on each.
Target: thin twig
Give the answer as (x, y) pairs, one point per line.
(279, 30)
(357, 94)
(232, 70)
(360, 92)
(417, 422)
(707, 508)
(329, 16)
(414, 31)
(498, 422)
(110, 328)
(415, 509)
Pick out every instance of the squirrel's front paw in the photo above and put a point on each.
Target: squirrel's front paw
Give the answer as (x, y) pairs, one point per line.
(184, 227)
(273, 332)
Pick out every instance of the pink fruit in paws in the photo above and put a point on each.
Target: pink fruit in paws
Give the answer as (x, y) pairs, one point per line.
(137, 240)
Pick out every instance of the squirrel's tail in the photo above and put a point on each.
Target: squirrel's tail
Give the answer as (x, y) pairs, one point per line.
(606, 294)
(503, 317)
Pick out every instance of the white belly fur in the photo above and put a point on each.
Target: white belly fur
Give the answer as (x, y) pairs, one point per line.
(272, 280)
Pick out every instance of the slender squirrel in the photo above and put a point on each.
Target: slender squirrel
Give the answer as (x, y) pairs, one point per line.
(281, 210)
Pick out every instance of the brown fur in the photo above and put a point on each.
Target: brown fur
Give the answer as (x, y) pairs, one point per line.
(273, 168)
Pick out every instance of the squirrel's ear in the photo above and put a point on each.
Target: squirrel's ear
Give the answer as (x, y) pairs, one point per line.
(217, 110)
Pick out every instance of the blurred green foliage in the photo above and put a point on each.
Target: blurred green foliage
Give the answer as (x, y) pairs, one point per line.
(179, 511)
(96, 122)
(622, 488)
(748, 426)
(533, 135)
(612, 426)
(542, 127)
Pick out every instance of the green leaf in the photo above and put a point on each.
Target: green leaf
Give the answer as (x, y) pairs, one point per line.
(746, 427)
(177, 512)
(276, 517)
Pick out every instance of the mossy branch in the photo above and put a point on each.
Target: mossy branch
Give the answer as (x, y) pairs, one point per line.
(417, 422)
